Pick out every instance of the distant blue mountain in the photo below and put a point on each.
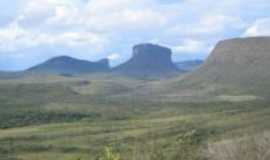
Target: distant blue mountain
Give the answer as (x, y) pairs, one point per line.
(148, 59)
(68, 65)
(189, 65)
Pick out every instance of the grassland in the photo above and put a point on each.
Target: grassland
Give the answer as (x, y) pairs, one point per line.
(72, 118)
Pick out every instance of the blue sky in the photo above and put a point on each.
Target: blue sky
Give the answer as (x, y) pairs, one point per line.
(32, 31)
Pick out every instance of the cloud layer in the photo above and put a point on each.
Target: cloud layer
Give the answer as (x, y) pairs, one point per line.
(39, 29)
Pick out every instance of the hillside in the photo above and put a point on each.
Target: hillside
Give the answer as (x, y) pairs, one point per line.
(240, 63)
(148, 59)
(69, 65)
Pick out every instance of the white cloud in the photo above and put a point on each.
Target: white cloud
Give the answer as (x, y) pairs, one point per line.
(74, 23)
(45, 12)
(208, 25)
(191, 46)
(114, 56)
(101, 15)
(218, 23)
(14, 37)
(260, 27)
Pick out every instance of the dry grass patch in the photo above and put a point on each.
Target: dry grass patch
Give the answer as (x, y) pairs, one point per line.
(252, 148)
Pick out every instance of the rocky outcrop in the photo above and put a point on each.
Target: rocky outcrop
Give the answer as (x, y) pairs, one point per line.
(148, 59)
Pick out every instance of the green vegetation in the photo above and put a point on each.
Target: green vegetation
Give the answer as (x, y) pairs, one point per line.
(109, 154)
(75, 118)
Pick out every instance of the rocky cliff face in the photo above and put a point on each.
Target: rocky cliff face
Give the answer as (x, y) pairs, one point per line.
(69, 65)
(148, 59)
(241, 61)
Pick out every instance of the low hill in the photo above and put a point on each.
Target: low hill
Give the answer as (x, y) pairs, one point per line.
(69, 65)
(148, 59)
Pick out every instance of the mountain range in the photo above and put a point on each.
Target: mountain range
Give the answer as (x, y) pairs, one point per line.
(238, 61)
(147, 60)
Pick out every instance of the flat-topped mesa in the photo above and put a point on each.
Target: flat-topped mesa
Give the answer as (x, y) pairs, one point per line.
(149, 59)
(154, 54)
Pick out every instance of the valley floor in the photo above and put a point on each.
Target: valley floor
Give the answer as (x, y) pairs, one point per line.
(62, 119)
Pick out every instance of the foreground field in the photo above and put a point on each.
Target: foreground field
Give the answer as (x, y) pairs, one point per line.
(76, 118)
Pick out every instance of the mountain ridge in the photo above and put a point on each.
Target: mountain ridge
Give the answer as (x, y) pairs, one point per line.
(70, 65)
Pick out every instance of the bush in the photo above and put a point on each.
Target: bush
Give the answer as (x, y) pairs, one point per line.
(109, 154)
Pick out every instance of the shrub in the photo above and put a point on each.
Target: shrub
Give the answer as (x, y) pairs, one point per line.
(109, 154)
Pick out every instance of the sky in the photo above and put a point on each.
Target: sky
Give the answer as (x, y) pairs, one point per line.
(32, 31)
